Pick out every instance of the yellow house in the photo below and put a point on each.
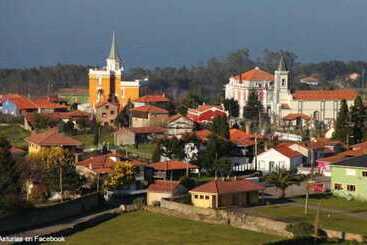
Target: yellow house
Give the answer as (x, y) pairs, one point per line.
(50, 138)
(107, 83)
(224, 193)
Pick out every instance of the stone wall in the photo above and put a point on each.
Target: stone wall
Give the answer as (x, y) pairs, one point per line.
(242, 220)
(40, 216)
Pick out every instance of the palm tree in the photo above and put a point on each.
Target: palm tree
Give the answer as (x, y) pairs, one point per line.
(283, 179)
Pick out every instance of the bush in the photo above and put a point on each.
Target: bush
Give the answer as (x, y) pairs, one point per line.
(187, 182)
(301, 229)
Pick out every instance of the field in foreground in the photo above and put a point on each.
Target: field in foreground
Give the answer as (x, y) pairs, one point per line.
(150, 228)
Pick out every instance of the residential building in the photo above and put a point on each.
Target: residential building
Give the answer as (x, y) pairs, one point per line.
(106, 113)
(74, 95)
(349, 178)
(140, 135)
(147, 116)
(50, 138)
(172, 169)
(226, 193)
(163, 189)
(279, 101)
(155, 100)
(179, 125)
(279, 157)
(204, 113)
(108, 83)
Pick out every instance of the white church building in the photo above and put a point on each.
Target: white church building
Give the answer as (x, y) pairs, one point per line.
(279, 102)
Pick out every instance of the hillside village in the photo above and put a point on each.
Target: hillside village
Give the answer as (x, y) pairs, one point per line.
(265, 152)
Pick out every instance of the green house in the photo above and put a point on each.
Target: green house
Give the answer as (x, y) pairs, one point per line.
(349, 178)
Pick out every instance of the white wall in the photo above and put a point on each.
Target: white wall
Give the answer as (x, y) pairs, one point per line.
(278, 161)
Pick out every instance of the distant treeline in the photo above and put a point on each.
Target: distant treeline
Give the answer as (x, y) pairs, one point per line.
(205, 80)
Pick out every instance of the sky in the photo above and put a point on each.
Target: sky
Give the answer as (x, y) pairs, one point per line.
(175, 32)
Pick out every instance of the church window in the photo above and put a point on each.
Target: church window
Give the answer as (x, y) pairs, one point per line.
(283, 82)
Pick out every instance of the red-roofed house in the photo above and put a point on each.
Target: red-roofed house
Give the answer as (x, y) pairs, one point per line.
(172, 169)
(206, 113)
(280, 157)
(50, 138)
(146, 116)
(163, 189)
(155, 100)
(225, 193)
(179, 125)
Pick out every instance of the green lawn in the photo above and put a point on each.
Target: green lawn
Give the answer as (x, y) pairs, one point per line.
(15, 134)
(88, 139)
(143, 150)
(150, 228)
(328, 219)
(329, 201)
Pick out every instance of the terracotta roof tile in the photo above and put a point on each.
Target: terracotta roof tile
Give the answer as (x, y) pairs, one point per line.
(347, 94)
(255, 74)
(228, 186)
(52, 137)
(163, 186)
(152, 99)
(286, 151)
(240, 137)
(20, 101)
(295, 116)
(171, 165)
(46, 103)
(150, 108)
(203, 134)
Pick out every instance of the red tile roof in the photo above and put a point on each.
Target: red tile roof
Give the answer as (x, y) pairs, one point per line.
(228, 186)
(46, 103)
(52, 137)
(343, 155)
(152, 99)
(203, 134)
(255, 74)
(105, 163)
(150, 108)
(295, 116)
(20, 101)
(144, 130)
(163, 186)
(240, 137)
(59, 115)
(286, 151)
(347, 94)
(172, 165)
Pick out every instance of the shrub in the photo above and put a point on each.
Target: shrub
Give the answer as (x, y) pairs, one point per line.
(301, 229)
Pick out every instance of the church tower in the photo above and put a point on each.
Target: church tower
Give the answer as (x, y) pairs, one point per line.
(281, 79)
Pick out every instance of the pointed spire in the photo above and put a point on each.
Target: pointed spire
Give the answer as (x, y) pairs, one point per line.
(282, 66)
(114, 51)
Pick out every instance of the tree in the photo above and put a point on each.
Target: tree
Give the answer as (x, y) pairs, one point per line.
(358, 117)
(124, 117)
(342, 123)
(97, 136)
(172, 148)
(222, 167)
(232, 107)
(9, 173)
(123, 174)
(156, 156)
(254, 108)
(42, 121)
(282, 179)
(220, 127)
(67, 128)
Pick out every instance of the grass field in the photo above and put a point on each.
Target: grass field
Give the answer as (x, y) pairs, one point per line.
(328, 219)
(330, 201)
(150, 228)
(15, 134)
(88, 139)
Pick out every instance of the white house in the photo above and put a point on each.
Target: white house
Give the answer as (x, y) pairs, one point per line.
(280, 157)
(179, 125)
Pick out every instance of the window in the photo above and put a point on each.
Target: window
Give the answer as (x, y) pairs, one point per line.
(283, 82)
(351, 187)
(364, 173)
(201, 197)
(112, 112)
(206, 197)
(338, 187)
(196, 196)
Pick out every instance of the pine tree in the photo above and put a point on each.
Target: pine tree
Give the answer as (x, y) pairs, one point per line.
(342, 127)
(9, 173)
(220, 127)
(232, 107)
(358, 116)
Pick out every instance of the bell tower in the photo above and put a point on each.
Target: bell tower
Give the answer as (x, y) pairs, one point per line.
(280, 91)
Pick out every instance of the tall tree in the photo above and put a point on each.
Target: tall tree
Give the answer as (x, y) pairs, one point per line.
(123, 174)
(358, 118)
(9, 172)
(124, 117)
(254, 108)
(232, 107)
(220, 127)
(282, 179)
(342, 123)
